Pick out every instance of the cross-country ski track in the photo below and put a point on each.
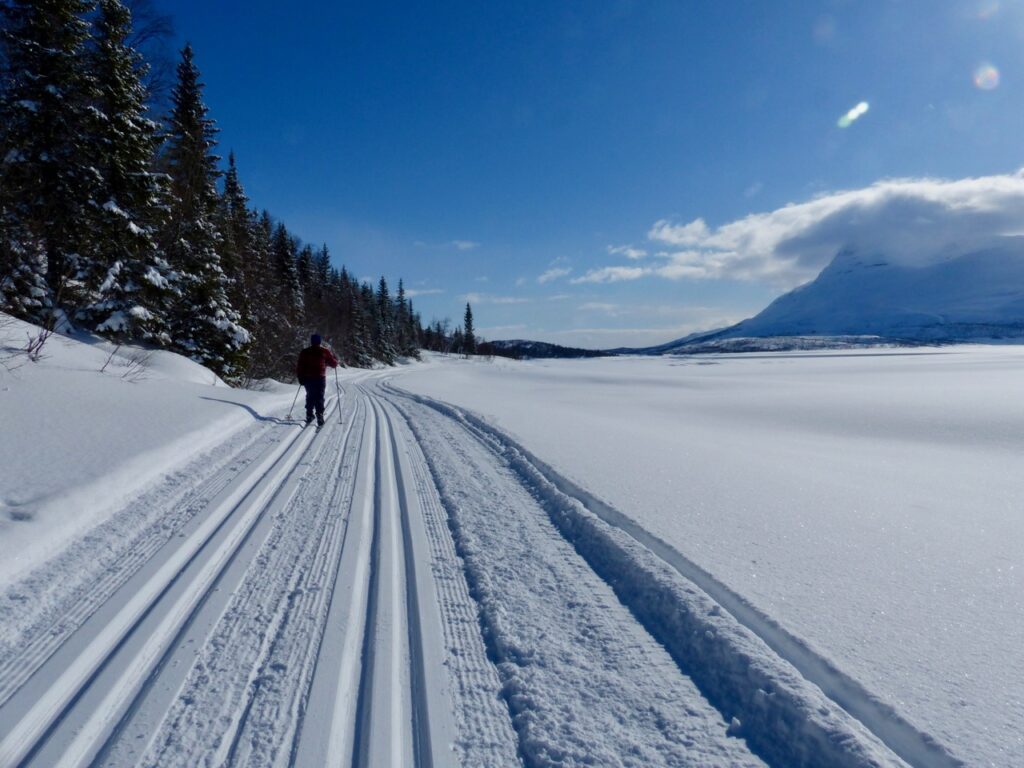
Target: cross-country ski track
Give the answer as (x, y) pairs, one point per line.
(407, 586)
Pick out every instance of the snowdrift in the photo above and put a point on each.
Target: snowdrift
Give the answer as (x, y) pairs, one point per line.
(88, 426)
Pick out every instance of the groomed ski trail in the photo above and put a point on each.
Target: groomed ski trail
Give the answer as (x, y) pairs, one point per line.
(400, 589)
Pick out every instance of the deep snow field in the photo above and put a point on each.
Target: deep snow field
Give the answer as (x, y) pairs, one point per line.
(858, 511)
(868, 502)
(76, 442)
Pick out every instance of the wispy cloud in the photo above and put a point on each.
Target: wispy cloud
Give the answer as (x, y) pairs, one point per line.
(611, 275)
(488, 298)
(459, 245)
(414, 292)
(627, 250)
(553, 274)
(600, 306)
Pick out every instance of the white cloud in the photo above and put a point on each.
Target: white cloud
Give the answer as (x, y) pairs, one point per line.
(553, 274)
(414, 292)
(665, 231)
(487, 298)
(627, 250)
(612, 275)
(459, 245)
(599, 306)
(911, 221)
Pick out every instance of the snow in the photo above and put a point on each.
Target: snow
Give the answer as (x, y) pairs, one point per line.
(865, 504)
(805, 558)
(950, 295)
(111, 207)
(78, 442)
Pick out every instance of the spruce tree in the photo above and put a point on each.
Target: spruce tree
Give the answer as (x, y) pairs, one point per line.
(204, 324)
(385, 327)
(304, 272)
(468, 337)
(289, 294)
(47, 181)
(125, 279)
(238, 259)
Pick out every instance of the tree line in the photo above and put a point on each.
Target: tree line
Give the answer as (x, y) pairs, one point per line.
(123, 225)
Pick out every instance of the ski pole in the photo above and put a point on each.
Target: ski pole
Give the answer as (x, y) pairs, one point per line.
(337, 386)
(294, 401)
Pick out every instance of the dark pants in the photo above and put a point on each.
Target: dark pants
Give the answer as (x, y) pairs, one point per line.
(315, 389)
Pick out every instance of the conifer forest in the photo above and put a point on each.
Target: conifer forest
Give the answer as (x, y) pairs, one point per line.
(120, 218)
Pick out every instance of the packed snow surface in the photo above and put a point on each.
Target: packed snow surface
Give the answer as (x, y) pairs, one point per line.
(867, 502)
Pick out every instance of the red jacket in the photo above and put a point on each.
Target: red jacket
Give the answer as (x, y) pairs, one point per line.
(313, 363)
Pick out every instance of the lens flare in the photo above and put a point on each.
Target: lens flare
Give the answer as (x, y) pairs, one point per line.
(853, 115)
(987, 9)
(986, 77)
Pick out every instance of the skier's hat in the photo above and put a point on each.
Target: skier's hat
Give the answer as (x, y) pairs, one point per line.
(315, 340)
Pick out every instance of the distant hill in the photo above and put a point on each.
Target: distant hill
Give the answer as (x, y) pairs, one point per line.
(524, 350)
(870, 299)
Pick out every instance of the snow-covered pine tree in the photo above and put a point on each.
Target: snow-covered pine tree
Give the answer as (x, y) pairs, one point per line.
(235, 227)
(401, 310)
(127, 285)
(271, 333)
(372, 339)
(322, 265)
(289, 298)
(413, 332)
(406, 335)
(47, 182)
(203, 323)
(468, 336)
(385, 325)
(304, 271)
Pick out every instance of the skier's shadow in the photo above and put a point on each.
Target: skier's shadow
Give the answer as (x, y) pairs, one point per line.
(252, 411)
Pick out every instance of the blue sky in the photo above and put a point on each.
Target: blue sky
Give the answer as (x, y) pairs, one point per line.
(524, 155)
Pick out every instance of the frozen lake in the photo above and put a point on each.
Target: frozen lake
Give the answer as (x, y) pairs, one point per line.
(869, 502)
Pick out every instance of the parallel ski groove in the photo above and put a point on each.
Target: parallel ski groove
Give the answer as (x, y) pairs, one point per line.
(24, 658)
(240, 666)
(280, 709)
(384, 712)
(326, 733)
(479, 732)
(35, 726)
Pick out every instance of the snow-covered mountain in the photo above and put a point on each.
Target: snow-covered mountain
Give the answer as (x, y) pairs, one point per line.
(958, 295)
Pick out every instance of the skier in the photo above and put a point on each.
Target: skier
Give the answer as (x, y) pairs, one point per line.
(311, 370)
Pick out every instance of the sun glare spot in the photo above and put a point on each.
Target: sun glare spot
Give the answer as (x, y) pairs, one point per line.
(824, 30)
(988, 9)
(853, 115)
(986, 77)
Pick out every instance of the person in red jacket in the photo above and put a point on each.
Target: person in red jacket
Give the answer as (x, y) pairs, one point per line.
(312, 373)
